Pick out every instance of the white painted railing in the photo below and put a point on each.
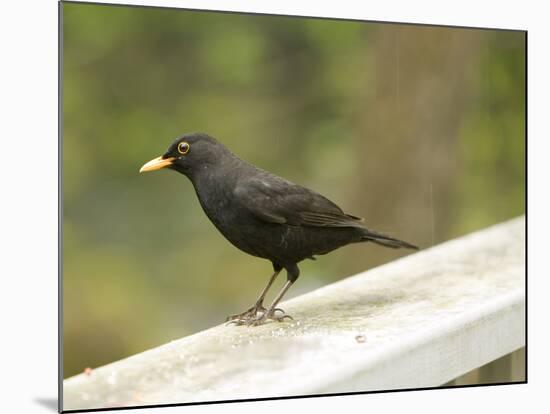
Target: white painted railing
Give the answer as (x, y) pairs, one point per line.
(420, 321)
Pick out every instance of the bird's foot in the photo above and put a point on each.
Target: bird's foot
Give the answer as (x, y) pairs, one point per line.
(263, 318)
(247, 314)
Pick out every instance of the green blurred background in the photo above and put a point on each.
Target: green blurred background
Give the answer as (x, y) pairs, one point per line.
(418, 129)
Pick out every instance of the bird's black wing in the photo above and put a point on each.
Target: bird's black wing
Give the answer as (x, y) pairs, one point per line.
(276, 200)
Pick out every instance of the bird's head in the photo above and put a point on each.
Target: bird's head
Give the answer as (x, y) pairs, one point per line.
(188, 154)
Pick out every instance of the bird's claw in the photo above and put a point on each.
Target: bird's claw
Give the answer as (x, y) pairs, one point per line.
(256, 320)
(247, 314)
(282, 317)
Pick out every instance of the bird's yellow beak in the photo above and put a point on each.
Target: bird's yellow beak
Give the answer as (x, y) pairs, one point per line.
(157, 164)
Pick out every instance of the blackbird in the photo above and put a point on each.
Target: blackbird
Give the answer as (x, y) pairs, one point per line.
(263, 214)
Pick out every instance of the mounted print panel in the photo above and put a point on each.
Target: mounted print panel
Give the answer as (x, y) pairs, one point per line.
(267, 206)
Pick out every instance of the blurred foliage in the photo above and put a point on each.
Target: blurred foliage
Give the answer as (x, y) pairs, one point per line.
(418, 129)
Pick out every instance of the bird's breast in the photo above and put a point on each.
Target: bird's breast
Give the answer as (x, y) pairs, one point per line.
(220, 207)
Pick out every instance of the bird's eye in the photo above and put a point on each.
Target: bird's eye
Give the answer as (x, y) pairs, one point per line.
(183, 148)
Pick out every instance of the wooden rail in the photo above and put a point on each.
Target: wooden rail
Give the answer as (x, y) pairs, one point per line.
(419, 321)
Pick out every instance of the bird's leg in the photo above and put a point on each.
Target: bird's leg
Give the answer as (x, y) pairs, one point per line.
(270, 313)
(258, 306)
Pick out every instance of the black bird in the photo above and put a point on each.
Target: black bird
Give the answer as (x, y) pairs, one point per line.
(263, 214)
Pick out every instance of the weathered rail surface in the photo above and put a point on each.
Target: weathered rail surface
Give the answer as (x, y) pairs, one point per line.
(419, 321)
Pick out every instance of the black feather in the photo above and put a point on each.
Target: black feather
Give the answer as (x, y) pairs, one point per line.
(386, 241)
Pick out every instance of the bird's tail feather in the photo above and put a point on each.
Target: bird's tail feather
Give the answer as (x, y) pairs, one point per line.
(386, 241)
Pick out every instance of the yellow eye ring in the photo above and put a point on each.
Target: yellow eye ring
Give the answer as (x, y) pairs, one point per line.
(183, 148)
